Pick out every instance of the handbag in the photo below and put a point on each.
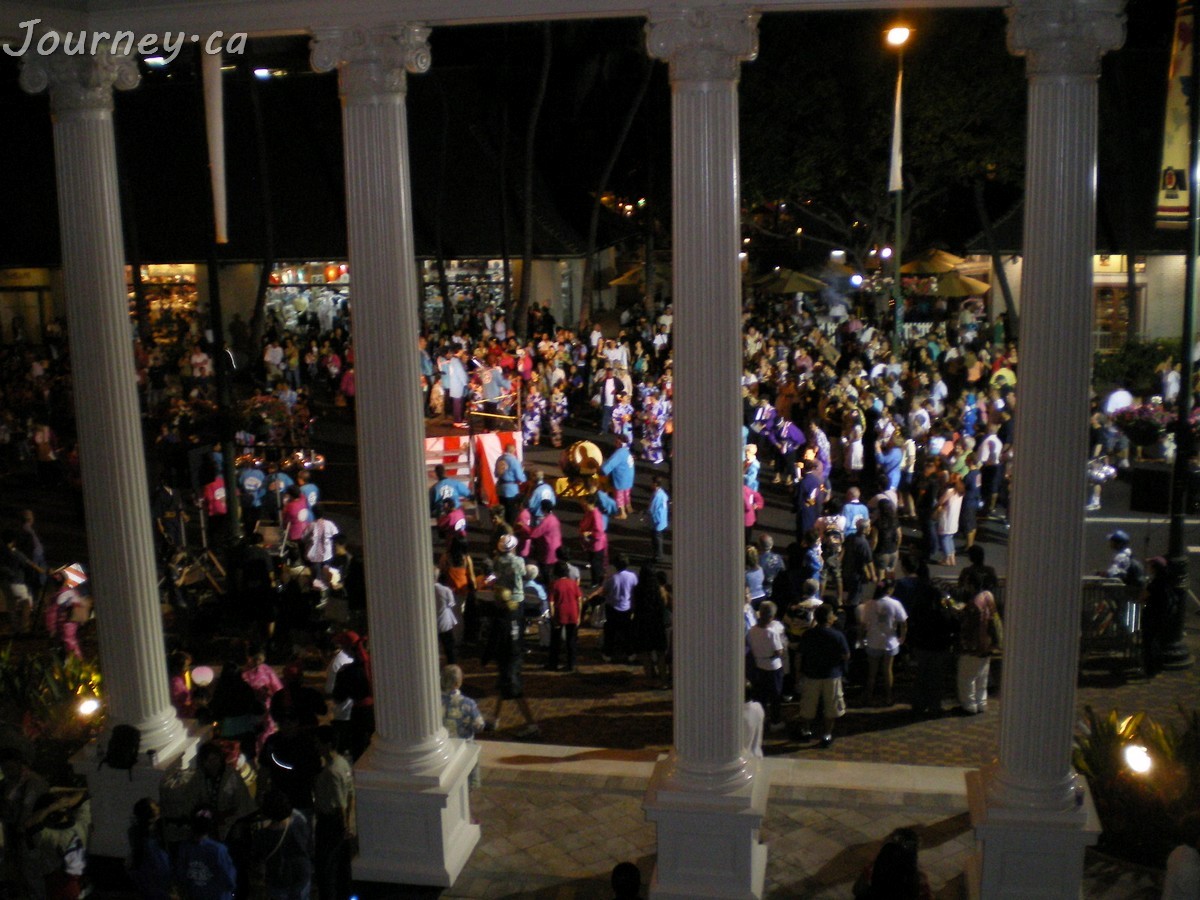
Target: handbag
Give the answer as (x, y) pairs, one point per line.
(995, 630)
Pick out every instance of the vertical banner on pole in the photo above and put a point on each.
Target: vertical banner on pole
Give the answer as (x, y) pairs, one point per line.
(1174, 180)
(214, 114)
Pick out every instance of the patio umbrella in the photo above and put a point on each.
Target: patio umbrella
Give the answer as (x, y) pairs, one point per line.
(931, 262)
(955, 284)
(787, 281)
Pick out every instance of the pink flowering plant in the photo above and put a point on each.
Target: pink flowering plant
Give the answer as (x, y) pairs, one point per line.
(1144, 424)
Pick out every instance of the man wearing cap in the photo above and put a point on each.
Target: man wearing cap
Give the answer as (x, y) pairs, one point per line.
(1122, 555)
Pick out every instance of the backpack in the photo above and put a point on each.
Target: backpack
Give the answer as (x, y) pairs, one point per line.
(123, 746)
(501, 467)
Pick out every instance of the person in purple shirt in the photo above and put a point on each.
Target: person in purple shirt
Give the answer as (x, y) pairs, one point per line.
(787, 439)
(617, 591)
(810, 498)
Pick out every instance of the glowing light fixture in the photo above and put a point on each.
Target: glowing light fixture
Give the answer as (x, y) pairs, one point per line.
(1138, 759)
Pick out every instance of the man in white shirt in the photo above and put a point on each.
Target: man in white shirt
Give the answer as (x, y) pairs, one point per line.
(885, 623)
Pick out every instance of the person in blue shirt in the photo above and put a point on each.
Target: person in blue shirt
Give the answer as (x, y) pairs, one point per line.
(606, 505)
(853, 510)
(446, 488)
(751, 467)
(539, 492)
(495, 386)
(887, 458)
(427, 371)
(659, 515)
(509, 478)
(253, 485)
(308, 490)
(455, 381)
(203, 866)
(619, 468)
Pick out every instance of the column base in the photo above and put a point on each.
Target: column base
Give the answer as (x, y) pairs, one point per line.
(415, 830)
(113, 792)
(708, 843)
(1025, 854)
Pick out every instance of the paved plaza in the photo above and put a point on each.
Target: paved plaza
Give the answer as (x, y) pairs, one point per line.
(559, 811)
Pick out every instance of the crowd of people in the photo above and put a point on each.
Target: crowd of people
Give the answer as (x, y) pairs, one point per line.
(891, 456)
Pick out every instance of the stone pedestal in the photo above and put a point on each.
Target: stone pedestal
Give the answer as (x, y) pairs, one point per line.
(708, 797)
(415, 830)
(708, 843)
(413, 810)
(1024, 855)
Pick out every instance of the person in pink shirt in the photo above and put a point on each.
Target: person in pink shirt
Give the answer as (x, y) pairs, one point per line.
(264, 682)
(297, 516)
(593, 534)
(752, 502)
(545, 538)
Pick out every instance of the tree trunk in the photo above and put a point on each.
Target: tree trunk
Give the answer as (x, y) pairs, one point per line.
(589, 259)
(520, 313)
(1011, 326)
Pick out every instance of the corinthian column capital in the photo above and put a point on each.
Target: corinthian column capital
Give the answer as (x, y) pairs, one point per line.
(703, 44)
(79, 81)
(1065, 37)
(371, 61)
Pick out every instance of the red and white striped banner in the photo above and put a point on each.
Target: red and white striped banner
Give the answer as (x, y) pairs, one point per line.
(455, 453)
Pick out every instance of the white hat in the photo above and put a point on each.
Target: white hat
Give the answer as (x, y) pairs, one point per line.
(508, 543)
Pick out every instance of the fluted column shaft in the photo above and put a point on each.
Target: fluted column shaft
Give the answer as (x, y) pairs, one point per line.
(1063, 43)
(112, 455)
(397, 549)
(705, 52)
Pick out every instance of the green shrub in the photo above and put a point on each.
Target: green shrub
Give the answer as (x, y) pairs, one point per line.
(1132, 366)
(1139, 812)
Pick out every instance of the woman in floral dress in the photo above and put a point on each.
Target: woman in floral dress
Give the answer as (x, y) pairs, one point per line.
(531, 416)
(558, 408)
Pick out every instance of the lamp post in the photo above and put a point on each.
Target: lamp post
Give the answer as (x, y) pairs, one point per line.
(1175, 653)
(897, 37)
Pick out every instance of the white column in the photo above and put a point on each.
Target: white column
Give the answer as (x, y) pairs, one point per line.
(708, 797)
(116, 496)
(1031, 822)
(414, 814)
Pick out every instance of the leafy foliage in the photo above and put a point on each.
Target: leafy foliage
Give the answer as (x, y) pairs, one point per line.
(39, 691)
(1132, 365)
(816, 128)
(1139, 812)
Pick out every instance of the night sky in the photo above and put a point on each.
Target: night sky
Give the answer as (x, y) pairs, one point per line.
(468, 118)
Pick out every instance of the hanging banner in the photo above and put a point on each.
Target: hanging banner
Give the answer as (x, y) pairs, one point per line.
(1173, 178)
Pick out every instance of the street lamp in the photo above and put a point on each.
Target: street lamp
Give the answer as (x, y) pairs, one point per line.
(897, 37)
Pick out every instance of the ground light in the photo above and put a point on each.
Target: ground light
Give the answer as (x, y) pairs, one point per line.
(87, 707)
(1138, 759)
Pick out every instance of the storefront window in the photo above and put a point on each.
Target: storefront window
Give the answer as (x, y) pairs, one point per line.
(1114, 323)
